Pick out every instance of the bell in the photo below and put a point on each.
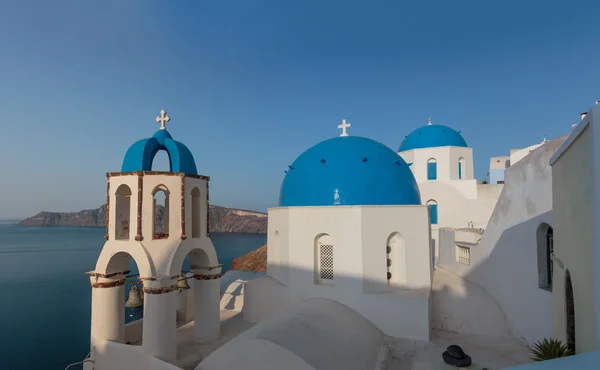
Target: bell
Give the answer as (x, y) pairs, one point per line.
(182, 283)
(134, 299)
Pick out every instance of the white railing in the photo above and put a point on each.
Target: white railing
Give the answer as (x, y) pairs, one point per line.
(463, 255)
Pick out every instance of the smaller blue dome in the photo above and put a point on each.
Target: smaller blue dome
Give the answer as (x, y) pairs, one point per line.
(349, 170)
(431, 136)
(140, 155)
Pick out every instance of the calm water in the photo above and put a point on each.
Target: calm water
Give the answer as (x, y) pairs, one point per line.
(45, 296)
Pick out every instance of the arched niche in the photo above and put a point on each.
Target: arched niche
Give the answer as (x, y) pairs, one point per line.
(545, 249)
(396, 260)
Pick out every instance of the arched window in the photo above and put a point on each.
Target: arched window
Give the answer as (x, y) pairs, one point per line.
(461, 168)
(196, 226)
(122, 212)
(324, 259)
(431, 169)
(396, 260)
(433, 211)
(160, 212)
(545, 249)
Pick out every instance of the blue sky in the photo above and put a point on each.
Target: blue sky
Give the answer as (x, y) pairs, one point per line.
(250, 85)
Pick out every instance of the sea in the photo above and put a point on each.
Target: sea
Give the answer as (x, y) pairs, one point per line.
(45, 295)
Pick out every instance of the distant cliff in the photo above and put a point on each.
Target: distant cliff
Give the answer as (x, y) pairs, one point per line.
(221, 219)
(255, 260)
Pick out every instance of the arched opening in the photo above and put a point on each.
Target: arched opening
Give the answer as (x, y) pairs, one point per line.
(276, 251)
(122, 212)
(396, 260)
(196, 226)
(545, 249)
(160, 229)
(432, 169)
(162, 161)
(125, 318)
(570, 311)
(461, 167)
(195, 259)
(324, 263)
(433, 211)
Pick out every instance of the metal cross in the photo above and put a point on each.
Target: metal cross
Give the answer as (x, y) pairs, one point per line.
(163, 119)
(344, 126)
(429, 123)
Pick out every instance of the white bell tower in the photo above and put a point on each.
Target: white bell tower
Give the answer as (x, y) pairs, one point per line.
(158, 239)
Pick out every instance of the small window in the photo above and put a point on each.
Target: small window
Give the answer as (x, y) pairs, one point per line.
(433, 211)
(461, 168)
(324, 260)
(431, 169)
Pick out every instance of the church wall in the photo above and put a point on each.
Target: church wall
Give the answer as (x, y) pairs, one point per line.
(446, 157)
(413, 254)
(573, 239)
(505, 261)
(278, 223)
(355, 251)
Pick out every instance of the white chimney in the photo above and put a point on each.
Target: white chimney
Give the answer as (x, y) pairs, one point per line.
(583, 114)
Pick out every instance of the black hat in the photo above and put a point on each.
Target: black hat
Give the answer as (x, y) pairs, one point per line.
(455, 356)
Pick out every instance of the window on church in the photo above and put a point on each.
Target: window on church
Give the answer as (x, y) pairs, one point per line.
(196, 223)
(545, 250)
(461, 168)
(160, 212)
(431, 169)
(433, 211)
(122, 212)
(324, 271)
(388, 253)
(396, 260)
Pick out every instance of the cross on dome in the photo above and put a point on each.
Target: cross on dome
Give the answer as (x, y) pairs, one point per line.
(344, 126)
(430, 121)
(163, 119)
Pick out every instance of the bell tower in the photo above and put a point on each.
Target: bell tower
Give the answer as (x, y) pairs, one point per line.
(158, 237)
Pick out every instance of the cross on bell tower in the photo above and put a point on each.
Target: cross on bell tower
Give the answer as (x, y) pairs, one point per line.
(344, 126)
(163, 119)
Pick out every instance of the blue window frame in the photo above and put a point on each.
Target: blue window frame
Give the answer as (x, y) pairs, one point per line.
(431, 170)
(433, 212)
(460, 170)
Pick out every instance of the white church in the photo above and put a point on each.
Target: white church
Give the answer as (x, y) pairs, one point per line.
(376, 259)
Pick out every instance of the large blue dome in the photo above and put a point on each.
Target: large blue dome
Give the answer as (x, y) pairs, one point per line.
(431, 136)
(349, 170)
(140, 155)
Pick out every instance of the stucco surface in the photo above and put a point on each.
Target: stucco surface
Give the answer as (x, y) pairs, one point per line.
(504, 262)
(316, 334)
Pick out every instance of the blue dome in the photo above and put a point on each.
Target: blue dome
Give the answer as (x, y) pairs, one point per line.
(349, 170)
(431, 136)
(140, 155)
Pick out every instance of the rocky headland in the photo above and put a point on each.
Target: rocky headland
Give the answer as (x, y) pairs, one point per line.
(221, 219)
(255, 260)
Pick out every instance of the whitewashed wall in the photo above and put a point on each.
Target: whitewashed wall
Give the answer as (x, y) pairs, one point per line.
(574, 218)
(505, 262)
(447, 162)
(360, 235)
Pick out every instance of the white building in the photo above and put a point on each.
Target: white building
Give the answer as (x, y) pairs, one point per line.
(132, 232)
(442, 164)
(499, 164)
(350, 227)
